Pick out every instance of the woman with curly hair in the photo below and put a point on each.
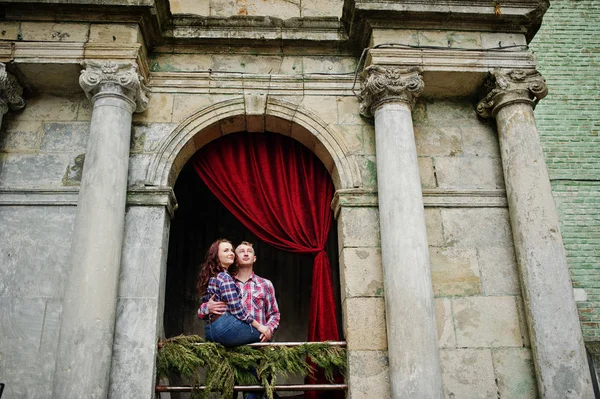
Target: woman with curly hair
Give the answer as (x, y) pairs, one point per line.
(235, 326)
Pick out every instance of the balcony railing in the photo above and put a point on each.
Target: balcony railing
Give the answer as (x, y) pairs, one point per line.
(282, 387)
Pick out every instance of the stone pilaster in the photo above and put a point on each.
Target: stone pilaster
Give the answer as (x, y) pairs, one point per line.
(552, 318)
(89, 304)
(388, 94)
(11, 93)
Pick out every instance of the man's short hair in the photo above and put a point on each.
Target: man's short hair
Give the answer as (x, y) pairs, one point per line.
(246, 243)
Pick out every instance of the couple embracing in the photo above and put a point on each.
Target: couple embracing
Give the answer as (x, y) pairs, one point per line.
(238, 306)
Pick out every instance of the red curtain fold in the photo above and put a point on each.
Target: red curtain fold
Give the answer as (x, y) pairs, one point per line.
(282, 193)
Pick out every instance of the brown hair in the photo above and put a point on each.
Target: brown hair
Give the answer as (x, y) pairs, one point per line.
(211, 266)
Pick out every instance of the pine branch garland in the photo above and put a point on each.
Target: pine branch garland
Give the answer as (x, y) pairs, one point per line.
(183, 356)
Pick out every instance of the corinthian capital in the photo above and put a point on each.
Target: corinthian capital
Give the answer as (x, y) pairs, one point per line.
(11, 92)
(509, 86)
(389, 84)
(115, 77)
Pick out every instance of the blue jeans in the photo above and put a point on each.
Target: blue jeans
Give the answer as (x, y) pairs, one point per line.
(229, 331)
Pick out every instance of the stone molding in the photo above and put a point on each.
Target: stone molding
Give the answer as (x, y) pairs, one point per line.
(164, 196)
(11, 92)
(381, 85)
(450, 60)
(361, 17)
(436, 198)
(67, 196)
(121, 78)
(510, 86)
(224, 30)
(238, 83)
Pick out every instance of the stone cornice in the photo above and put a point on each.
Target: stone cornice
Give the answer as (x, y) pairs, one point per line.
(451, 72)
(389, 84)
(150, 15)
(435, 198)
(67, 196)
(360, 17)
(228, 30)
(509, 86)
(11, 92)
(449, 60)
(73, 53)
(237, 83)
(118, 77)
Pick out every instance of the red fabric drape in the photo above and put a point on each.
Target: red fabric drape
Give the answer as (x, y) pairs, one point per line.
(282, 193)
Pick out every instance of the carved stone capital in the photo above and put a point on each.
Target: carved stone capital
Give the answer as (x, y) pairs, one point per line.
(114, 77)
(509, 86)
(389, 84)
(11, 92)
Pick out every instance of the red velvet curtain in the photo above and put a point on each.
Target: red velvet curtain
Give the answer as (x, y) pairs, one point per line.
(282, 193)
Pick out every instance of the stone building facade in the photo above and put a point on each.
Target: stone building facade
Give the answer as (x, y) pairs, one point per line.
(454, 280)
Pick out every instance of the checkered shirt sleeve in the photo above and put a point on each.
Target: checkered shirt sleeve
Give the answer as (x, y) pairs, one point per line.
(224, 289)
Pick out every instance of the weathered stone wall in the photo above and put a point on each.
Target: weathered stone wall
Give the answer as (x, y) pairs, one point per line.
(277, 8)
(42, 143)
(34, 258)
(481, 326)
(567, 51)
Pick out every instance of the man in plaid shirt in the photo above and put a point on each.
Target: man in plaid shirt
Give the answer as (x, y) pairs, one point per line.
(257, 293)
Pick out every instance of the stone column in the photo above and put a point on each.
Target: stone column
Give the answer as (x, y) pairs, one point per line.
(389, 94)
(552, 317)
(89, 304)
(11, 93)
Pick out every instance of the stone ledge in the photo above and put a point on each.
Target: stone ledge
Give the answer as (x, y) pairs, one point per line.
(68, 196)
(150, 15)
(431, 198)
(451, 60)
(55, 66)
(451, 72)
(360, 17)
(254, 28)
(238, 83)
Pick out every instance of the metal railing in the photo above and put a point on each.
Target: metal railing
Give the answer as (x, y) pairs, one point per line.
(285, 387)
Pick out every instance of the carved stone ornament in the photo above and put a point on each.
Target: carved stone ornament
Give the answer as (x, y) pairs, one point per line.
(116, 77)
(11, 92)
(509, 86)
(389, 84)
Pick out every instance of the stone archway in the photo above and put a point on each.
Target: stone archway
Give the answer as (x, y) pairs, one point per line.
(357, 224)
(254, 113)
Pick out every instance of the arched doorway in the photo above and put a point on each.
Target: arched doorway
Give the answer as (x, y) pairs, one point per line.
(200, 219)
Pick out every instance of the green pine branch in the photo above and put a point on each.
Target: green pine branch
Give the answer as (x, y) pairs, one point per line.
(225, 367)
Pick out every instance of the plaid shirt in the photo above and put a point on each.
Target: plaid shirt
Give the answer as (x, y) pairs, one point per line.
(258, 298)
(226, 290)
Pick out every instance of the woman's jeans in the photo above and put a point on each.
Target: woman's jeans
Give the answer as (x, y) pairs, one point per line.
(228, 330)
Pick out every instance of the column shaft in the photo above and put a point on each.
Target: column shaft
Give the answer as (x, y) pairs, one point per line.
(411, 328)
(87, 324)
(560, 359)
(85, 347)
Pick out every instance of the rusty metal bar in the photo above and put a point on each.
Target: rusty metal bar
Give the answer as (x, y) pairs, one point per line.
(288, 344)
(238, 388)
